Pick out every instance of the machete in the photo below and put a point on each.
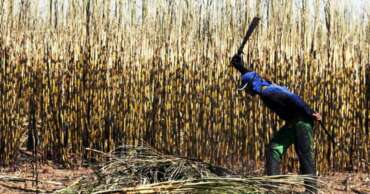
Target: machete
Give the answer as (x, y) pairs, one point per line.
(239, 65)
(249, 32)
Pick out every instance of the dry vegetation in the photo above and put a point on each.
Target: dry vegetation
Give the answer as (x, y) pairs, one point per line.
(100, 74)
(145, 170)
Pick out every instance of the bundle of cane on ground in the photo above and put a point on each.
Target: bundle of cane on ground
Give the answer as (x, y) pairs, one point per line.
(139, 169)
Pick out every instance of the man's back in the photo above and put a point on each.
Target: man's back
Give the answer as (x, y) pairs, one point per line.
(285, 103)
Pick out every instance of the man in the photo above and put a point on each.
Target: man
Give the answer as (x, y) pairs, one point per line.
(299, 118)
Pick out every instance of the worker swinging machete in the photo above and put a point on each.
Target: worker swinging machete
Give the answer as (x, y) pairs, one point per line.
(298, 117)
(243, 70)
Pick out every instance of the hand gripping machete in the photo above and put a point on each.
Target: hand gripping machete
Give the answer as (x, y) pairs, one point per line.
(239, 64)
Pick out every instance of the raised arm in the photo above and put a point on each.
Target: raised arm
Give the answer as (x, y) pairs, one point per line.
(238, 64)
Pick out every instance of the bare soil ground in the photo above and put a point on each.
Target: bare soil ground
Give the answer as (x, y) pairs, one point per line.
(18, 179)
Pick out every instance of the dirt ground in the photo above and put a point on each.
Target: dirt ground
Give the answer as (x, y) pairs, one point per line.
(18, 179)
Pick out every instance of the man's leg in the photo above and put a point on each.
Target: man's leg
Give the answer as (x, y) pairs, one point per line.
(277, 148)
(305, 152)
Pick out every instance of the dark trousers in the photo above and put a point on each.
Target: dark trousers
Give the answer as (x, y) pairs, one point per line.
(299, 133)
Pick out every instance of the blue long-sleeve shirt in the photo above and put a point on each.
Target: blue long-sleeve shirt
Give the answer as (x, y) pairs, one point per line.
(284, 103)
(279, 99)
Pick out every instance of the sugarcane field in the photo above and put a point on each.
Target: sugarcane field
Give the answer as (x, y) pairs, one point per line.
(185, 96)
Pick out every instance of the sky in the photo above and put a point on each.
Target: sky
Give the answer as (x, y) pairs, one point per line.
(356, 7)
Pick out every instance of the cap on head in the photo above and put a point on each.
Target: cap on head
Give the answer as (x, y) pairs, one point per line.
(247, 79)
